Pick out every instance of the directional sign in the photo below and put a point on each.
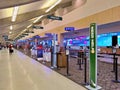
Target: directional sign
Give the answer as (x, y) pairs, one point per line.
(25, 34)
(29, 32)
(69, 28)
(38, 27)
(54, 17)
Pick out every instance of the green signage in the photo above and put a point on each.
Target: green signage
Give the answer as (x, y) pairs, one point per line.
(54, 17)
(93, 55)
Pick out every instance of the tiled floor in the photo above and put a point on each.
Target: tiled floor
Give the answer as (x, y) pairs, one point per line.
(105, 76)
(19, 72)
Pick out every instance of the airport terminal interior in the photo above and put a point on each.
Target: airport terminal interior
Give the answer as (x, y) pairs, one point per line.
(59, 44)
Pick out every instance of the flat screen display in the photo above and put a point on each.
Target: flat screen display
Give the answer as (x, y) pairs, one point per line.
(104, 41)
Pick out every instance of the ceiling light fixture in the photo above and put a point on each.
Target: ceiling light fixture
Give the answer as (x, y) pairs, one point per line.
(53, 6)
(24, 30)
(15, 11)
(10, 32)
(38, 19)
(29, 26)
(11, 27)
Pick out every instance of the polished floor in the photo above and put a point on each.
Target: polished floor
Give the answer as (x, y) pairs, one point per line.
(20, 72)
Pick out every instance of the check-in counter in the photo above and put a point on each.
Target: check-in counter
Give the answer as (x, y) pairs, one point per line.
(109, 50)
(106, 50)
(62, 59)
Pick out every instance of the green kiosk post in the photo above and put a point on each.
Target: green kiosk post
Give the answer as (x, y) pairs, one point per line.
(93, 58)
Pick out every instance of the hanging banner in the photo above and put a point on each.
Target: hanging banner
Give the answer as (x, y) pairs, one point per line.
(93, 55)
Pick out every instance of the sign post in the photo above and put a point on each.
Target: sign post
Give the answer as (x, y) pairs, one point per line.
(93, 58)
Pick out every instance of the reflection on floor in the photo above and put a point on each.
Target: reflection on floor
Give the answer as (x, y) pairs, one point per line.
(104, 73)
(105, 76)
(19, 72)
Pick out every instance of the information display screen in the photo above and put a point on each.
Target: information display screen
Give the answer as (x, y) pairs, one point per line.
(103, 40)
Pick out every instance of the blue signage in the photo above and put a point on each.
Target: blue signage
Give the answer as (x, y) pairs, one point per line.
(48, 34)
(69, 28)
(36, 37)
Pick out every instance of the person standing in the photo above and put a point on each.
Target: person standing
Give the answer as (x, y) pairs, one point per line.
(10, 48)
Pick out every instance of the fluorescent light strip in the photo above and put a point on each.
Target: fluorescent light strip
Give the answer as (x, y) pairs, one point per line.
(29, 26)
(10, 32)
(11, 27)
(24, 30)
(15, 11)
(38, 19)
(53, 6)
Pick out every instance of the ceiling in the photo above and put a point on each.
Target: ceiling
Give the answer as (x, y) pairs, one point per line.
(29, 10)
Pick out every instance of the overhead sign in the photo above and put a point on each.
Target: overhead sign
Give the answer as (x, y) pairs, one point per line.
(31, 31)
(69, 28)
(38, 27)
(36, 37)
(54, 17)
(48, 34)
(25, 34)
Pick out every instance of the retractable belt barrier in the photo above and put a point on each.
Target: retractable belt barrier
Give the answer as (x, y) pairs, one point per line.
(80, 58)
(116, 71)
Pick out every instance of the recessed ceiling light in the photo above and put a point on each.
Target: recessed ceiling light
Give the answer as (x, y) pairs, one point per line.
(11, 27)
(10, 32)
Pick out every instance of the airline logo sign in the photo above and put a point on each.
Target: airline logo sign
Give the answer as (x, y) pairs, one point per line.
(93, 55)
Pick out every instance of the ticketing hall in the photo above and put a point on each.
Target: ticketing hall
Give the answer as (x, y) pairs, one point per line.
(60, 45)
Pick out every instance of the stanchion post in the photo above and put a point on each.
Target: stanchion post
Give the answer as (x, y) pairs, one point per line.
(85, 71)
(51, 57)
(82, 56)
(113, 62)
(78, 60)
(57, 62)
(116, 71)
(80, 68)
